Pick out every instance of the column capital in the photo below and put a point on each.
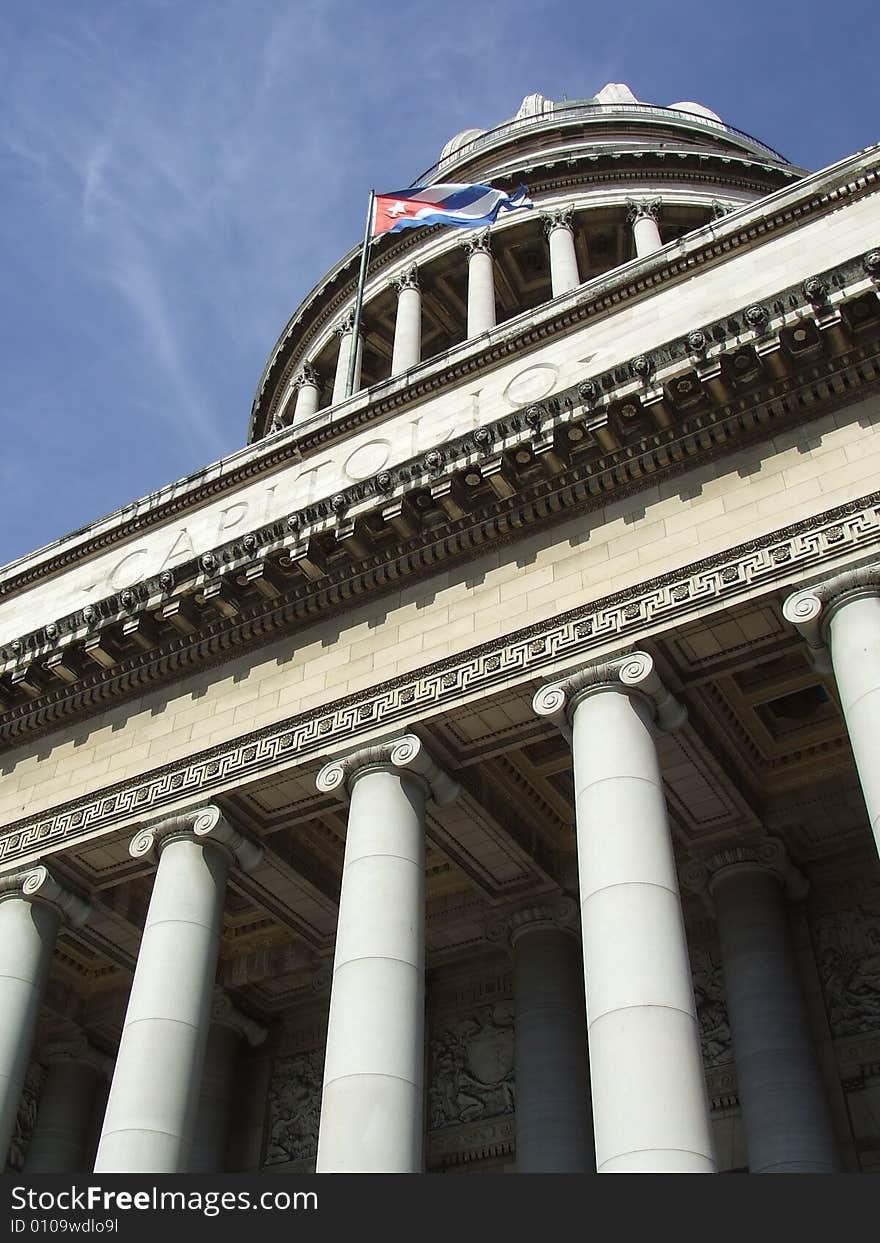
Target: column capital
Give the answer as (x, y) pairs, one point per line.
(405, 755)
(408, 279)
(636, 209)
(811, 609)
(37, 884)
(478, 244)
(76, 1048)
(767, 854)
(557, 218)
(225, 1013)
(345, 326)
(307, 375)
(633, 673)
(207, 824)
(559, 914)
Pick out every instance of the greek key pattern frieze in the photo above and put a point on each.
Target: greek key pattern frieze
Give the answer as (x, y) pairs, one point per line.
(619, 619)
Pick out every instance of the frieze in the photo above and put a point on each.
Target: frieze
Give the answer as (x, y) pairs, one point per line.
(848, 959)
(471, 1067)
(480, 457)
(616, 620)
(294, 1104)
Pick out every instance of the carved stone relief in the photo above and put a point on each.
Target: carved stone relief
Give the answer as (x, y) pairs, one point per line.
(848, 956)
(712, 1013)
(25, 1119)
(472, 1067)
(295, 1107)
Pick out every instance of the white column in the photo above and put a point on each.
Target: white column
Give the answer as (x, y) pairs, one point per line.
(230, 1029)
(408, 324)
(345, 331)
(32, 905)
(841, 618)
(372, 1111)
(481, 285)
(784, 1108)
(642, 215)
(554, 1131)
(650, 1111)
(148, 1126)
(65, 1130)
(564, 273)
(308, 386)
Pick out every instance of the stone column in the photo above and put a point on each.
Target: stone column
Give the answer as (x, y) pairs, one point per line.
(408, 325)
(148, 1126)
(229, 1028)
(481, 284)
(642, 215)
(840, 619)
(32, 905)
(372, 1111)
(650, 1111)
(65, 1131)
(564, 273)
(307, 385)
(345, 331)
(554, 1132)
(784, 1109)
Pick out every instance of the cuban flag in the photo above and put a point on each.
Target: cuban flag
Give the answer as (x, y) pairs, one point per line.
(467, 207)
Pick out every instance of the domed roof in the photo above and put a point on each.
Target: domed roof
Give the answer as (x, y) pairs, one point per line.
(460, 140)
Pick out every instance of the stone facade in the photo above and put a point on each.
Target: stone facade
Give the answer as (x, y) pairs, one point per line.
(548, 658)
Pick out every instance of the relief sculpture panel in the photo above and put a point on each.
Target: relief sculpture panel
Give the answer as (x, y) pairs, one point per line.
(848, 957)
(472, 1067)
(712, 1012)
(295, 1107)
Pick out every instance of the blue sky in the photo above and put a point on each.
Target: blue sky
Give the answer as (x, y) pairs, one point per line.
(177, 174)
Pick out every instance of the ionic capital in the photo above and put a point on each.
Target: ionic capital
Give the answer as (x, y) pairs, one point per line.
(638, 209)
(37, 884)
(633, 673)
(811, 609)
(557, 218)
(408, 279)
(79, 1050)
(555, 914)
(767, 854)
(207, 825)
(478, 244)
(306, 376)
(225, 1013)
(406, 756)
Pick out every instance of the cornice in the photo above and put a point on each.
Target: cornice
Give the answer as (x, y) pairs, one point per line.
(597, 298)
(692, 399)
(763, 566)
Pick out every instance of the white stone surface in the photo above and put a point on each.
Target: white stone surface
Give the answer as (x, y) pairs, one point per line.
(564, 273)
(27, 940)
(481, 293)
(372, 1106)
(407, 330)
(148, 1126)
(649, 1099)
(855, 653)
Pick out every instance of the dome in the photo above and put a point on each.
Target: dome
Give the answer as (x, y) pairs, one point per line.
(460, 140)
(617, 173)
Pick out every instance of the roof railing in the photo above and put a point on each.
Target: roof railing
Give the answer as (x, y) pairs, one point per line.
(574, 112)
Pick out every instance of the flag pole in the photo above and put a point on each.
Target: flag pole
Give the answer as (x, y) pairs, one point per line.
(359, 300)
